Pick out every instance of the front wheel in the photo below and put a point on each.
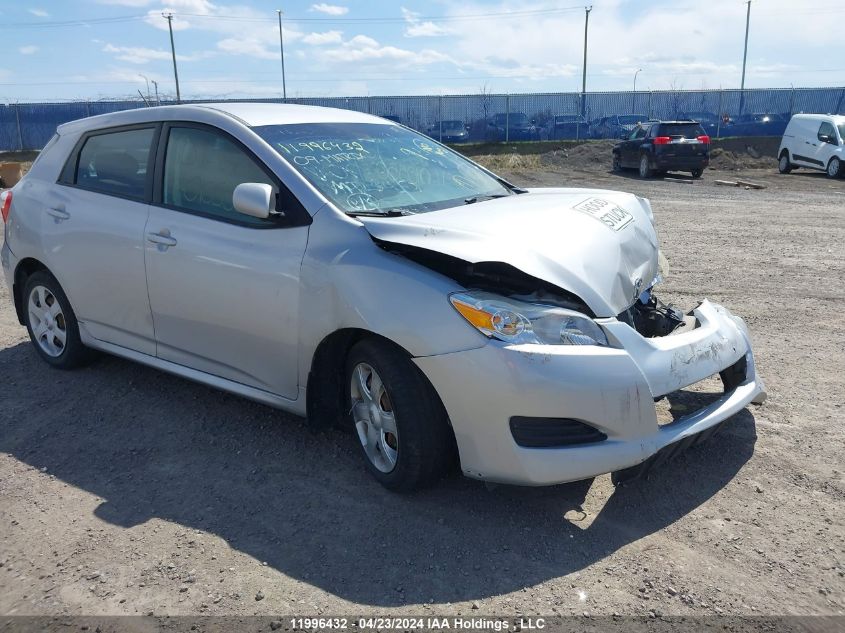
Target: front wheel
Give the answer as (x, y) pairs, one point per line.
(696, 173)
(52, 324)
(834, 168)
(398, 418)
(645, 166)
(784, 166)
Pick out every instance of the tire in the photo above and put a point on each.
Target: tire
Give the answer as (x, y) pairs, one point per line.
(615, 165)
(645, 166)
(401, 426)
(696, 173)
(784, 166)
(834, 168)
(51, 323)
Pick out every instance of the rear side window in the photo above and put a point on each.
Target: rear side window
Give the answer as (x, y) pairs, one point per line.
(115, 163)
(202, 169)
(681, 130)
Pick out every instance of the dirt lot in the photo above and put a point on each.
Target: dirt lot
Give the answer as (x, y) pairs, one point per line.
(124, 490)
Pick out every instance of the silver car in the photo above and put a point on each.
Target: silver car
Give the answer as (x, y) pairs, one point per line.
(345, 268)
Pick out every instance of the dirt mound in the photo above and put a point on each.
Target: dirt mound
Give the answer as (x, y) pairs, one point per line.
(736, 160)
(584, 156)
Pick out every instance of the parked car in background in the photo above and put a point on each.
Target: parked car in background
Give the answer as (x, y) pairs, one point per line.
(816, 141)
(514, 126)
(449, 131)
(758, 124)
(661, 146)
(617, 126)
(344, 268)
(709, 121)
(567, 126)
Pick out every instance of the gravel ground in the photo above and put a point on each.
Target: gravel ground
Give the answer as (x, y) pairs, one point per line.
(124, 490)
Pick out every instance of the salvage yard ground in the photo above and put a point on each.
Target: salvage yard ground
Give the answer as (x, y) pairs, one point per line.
(124, 490)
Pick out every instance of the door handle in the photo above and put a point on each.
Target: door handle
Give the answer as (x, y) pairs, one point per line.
(59, 213)
(162, 239)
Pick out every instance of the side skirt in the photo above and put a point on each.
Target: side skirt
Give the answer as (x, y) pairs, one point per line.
(297, 407)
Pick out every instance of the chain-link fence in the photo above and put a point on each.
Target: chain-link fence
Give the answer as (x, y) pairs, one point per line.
(502, 117)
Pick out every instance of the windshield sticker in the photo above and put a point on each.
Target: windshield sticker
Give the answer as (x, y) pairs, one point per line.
(605, 212)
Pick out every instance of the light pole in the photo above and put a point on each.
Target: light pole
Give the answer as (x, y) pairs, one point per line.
(282, 50)
(744, 57)
(169, 17)
(584, 73)
(155, 85)
(145, 78)
(634, 96)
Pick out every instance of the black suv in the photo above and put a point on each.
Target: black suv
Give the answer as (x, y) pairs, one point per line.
(656, 147)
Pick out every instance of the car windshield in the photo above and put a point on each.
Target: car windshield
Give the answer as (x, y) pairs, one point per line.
(380, 169)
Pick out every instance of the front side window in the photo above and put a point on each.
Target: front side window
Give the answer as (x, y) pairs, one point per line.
(201, 170)
(116, 163)
(826, 129)
(373, 168)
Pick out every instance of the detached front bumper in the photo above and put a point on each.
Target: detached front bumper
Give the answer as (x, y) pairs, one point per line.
(611, 389)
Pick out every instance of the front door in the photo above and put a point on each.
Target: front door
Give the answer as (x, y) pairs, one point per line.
(224, 287)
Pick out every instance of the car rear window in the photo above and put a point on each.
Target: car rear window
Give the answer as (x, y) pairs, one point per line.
(116, 162)
(685, 130)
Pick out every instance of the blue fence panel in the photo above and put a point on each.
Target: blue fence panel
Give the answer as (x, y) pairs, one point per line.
(501, 117)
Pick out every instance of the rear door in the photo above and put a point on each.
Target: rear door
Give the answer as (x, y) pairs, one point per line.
(684, 140)
(93, 230)
(223, 286)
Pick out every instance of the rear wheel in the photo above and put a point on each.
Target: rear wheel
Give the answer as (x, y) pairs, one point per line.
(398, 418)
(784, 166)
(834, 168)
(52, 324)
(645, 166)
(696, 173)
(615, 165)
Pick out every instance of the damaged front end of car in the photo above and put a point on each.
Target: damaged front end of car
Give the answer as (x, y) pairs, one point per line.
(580, 351)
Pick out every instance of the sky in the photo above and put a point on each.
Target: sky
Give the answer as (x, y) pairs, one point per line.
(100, 49)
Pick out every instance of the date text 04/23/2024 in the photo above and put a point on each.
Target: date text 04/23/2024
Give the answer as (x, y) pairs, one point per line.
(409, 623)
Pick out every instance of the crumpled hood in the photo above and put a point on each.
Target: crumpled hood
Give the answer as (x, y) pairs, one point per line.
(599, 245)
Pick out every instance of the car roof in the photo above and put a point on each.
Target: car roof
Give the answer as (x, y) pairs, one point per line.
(836, 118)
(250, 114)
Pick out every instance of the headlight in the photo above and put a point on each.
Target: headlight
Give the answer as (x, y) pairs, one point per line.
(517, 322)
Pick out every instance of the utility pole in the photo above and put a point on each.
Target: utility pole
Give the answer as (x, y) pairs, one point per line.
(584, 74)
(744, 57)
(282, 50)
(169, 17)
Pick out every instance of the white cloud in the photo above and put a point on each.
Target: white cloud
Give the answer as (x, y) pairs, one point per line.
(328, 37)
(364, 49)
(416, 28)
(329, 9)
(39, 13)
(30, 49)
(128, 3)
(425, 29)
(250, 47)
(142, 55)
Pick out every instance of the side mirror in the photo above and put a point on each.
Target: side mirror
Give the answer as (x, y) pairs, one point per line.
(254, 199)
(824, 138)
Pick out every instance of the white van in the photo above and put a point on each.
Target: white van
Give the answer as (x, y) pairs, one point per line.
(816, 141)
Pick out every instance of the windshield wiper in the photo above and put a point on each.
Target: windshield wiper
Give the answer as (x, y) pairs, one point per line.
(475, 199)
(387, 213)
